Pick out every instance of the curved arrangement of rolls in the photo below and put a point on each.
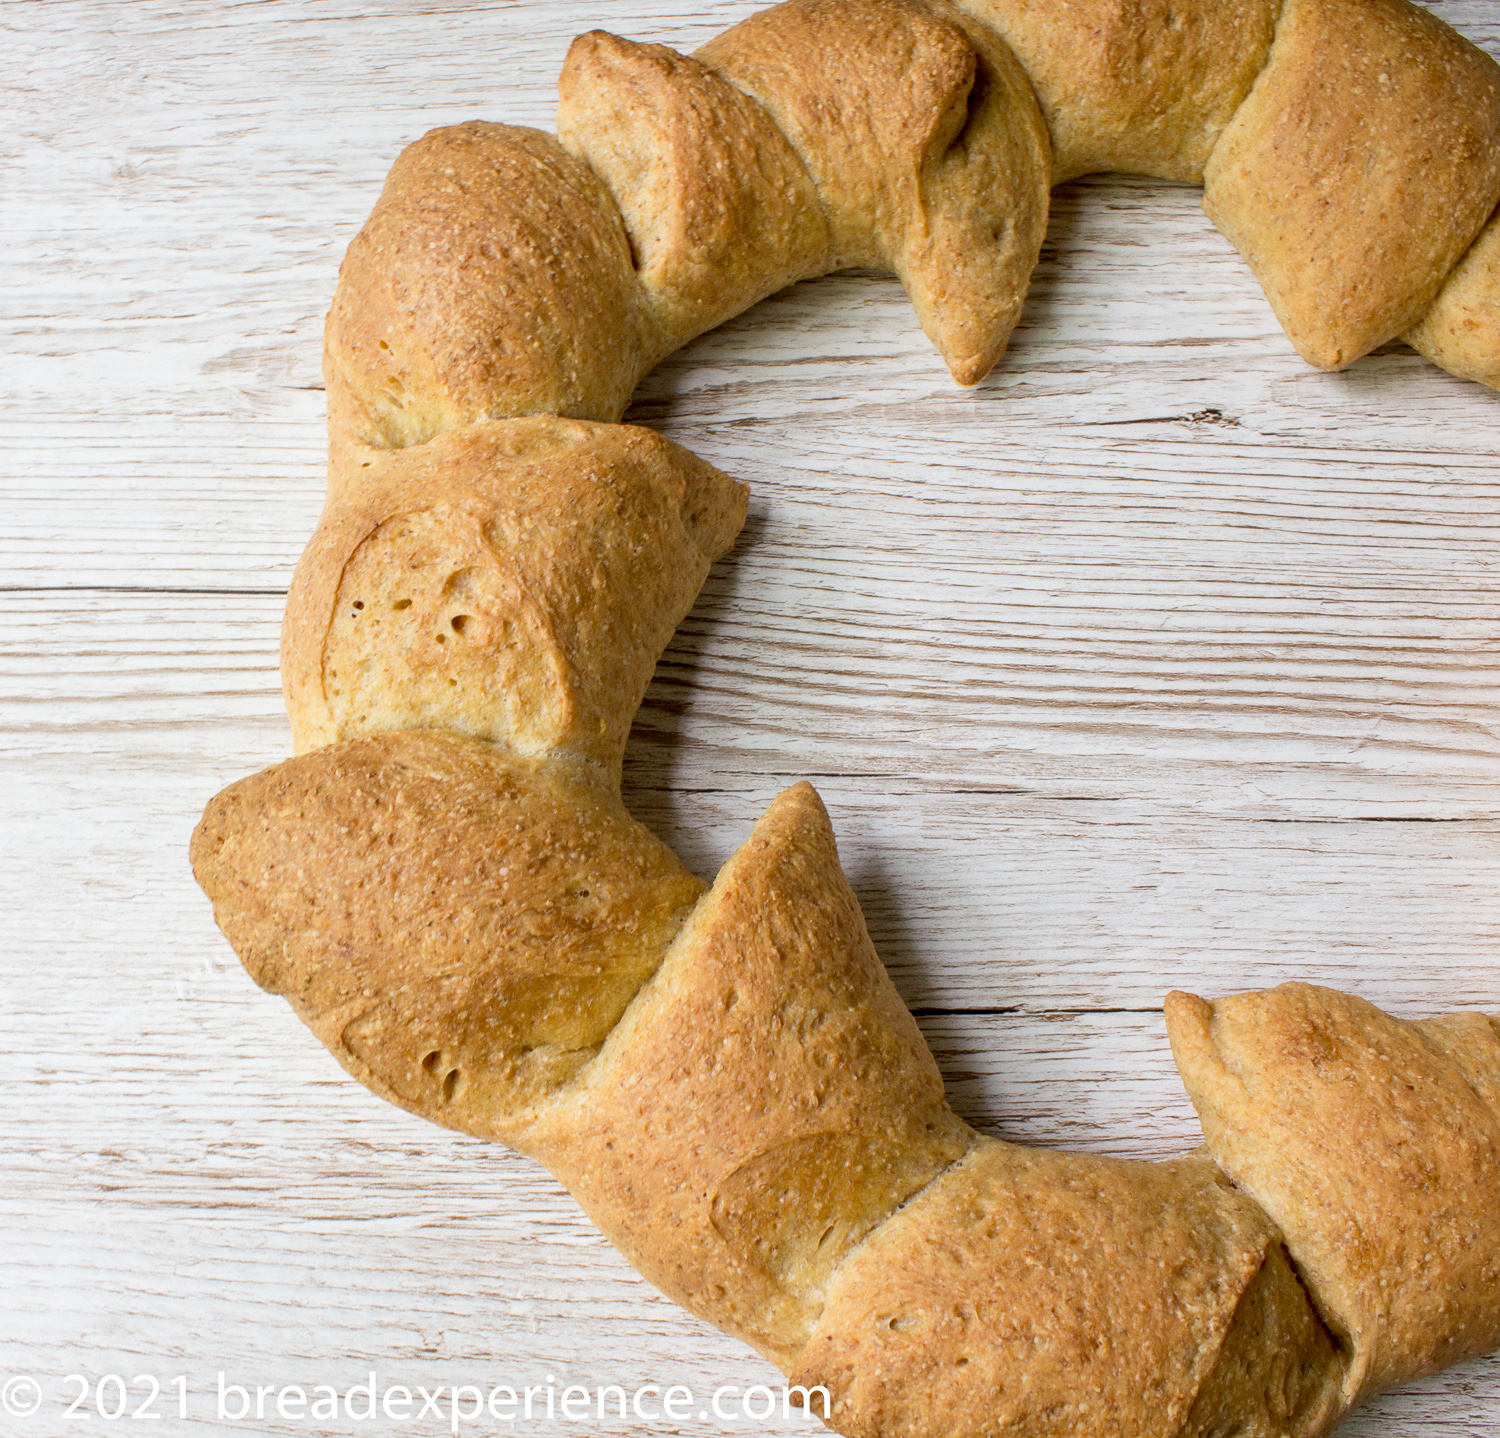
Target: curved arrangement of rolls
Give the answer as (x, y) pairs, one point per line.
(446, 885)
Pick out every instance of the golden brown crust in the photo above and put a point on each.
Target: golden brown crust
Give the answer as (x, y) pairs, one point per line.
(925, 141)
(719, 209)
(1043, 1295)
(1141, 86)
(515, 581)
(864, 90)
(766, 1101)
(1461, 332)
(1371, 1150)
(1359, 170)
(493, 279)
(966, 263)
(462, 928)
(1279, 1372)
(1471, 1042)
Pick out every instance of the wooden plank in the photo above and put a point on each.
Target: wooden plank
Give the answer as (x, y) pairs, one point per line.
(190, 488)
(982, 889)
(1374, 698)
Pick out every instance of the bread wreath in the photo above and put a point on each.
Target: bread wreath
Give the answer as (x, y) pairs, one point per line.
(447, 887)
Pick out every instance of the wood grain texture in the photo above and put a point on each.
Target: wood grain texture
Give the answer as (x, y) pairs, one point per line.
(1158, 659)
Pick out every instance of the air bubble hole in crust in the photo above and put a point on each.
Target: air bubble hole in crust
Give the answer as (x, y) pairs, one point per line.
(451, 1084)
(458, 584)
(432, 1060)
(458, 622)
(402, 604)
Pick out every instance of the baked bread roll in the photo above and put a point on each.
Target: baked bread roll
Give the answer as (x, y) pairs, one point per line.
(1461, 332)
(926, 145)
(461, 927)
(494, 279)
(719, 208)
(1375, 1146)
(1360, 168)
(1145, 87)
(445, 882)
(514, 580)
(768, 1100)
(1068, 1295)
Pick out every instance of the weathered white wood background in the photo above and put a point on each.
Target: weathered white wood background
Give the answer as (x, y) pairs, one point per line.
(1159, 659)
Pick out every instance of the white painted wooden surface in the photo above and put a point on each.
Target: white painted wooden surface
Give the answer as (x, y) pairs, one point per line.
(1159, 659)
